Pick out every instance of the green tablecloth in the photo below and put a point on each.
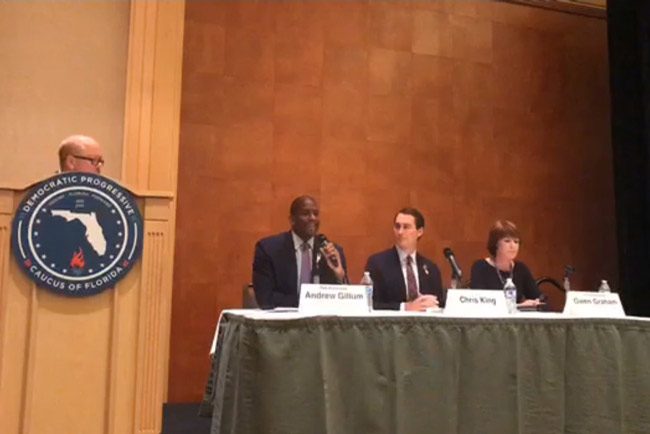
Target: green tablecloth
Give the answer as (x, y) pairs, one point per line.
(411, 375)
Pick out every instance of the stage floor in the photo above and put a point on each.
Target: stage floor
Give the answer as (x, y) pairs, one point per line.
(184, 419)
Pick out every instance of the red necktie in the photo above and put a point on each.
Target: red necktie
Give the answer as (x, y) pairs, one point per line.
(412, 286)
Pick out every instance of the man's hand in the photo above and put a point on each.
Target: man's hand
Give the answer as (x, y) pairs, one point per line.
(531, 303)
(333, 259)
(422, 303)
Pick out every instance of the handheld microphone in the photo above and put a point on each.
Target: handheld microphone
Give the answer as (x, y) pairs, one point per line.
(322, 243)
(455, 269)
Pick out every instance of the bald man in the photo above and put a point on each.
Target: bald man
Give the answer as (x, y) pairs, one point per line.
(80, 153)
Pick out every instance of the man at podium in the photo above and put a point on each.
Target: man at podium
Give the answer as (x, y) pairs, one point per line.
(79, 153)
(284, 261)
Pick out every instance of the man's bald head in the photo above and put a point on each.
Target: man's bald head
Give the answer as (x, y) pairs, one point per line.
(79, 153)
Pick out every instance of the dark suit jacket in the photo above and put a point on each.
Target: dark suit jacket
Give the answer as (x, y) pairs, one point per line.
(388, 279)
(275, 272)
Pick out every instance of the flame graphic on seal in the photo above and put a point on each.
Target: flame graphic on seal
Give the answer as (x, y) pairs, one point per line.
(77, 260)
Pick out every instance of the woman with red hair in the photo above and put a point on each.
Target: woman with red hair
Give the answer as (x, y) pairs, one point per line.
(493, 271)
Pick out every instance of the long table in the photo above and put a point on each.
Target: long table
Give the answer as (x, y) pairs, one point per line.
(280, 372)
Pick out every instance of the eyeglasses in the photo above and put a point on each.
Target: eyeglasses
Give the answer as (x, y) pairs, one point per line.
(95, 161)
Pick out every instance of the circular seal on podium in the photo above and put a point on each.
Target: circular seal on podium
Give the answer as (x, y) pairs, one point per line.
(77, 234)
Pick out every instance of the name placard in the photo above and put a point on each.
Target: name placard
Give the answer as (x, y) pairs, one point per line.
(475, 302)
(600, 304)
(333, 299)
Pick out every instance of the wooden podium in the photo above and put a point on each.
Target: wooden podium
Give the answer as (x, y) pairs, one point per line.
(87, 365)
(99, 364)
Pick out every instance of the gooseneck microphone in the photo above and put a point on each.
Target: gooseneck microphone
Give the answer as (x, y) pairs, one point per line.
(322, 243)
(455, 268)
(568, 271)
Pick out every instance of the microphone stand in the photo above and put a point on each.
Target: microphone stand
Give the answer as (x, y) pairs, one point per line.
(568, 271)
(455, 280)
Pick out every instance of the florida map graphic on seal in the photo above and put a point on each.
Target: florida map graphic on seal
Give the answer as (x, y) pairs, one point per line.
(77, 234)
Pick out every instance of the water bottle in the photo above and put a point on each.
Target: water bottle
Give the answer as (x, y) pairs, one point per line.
(604, 287)
(367, 282)
(510, 291)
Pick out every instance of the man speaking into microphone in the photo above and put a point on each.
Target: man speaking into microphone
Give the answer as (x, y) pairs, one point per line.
(402, 278)
(284, 261)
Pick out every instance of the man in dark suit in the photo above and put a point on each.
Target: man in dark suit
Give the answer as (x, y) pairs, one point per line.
(283, 261)
(404, 279)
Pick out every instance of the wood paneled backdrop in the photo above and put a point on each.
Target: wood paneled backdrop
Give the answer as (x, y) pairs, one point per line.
(470, 111)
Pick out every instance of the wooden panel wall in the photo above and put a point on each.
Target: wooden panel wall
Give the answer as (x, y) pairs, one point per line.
(63, 72)
(470, 111)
